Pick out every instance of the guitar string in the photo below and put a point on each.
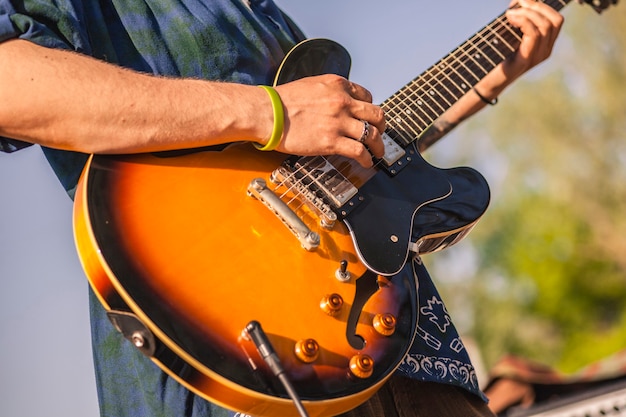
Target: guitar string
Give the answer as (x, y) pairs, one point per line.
(431, 88)
(423, 90)
(421, 98)
(494, 42)
(411, 99)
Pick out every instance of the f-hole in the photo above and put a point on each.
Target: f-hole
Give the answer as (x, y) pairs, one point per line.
(366, 286)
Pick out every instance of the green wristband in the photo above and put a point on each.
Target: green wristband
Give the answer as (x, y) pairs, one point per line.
(279, 121)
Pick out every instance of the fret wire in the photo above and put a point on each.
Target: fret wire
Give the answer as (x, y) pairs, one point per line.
(488, 43)
(513, 35)
(403, 101)
(480, 45)
(429, 92)
(452, 76)
(401, 120)
(485, 64)
(409, 128)
(468, 71)
(408, 122)
(493, 54)
(450, 84)
(397, 128)
(472, 63)
(422, 121)
(418, 104)
(461, 71)
(396, 115)
(563, 3)
(454, 59)
(407, 125)
(397, 136)
(423, 118)
(440, 68)
(420, 101)
(501, 40)
(444, 66)
(465, 84)
(435, 71)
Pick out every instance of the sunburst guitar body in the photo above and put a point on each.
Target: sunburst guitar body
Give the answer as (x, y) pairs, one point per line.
(187, 250)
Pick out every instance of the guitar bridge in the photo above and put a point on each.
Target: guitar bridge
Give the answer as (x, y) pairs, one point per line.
(313, 182)
(308, 239)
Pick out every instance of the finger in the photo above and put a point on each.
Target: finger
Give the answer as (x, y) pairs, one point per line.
(374, 142)
(375, 116)
(540, 25)
(351, 148)
(366, 111)
(545, 18)
(548, 11)
(359, 92)
(368, 135)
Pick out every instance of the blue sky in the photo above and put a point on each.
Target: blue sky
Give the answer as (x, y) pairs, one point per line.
(45, 353)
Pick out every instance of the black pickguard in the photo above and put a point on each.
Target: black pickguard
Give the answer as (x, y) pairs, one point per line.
(418, 201)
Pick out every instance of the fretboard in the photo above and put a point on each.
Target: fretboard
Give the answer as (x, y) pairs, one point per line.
(412, 109)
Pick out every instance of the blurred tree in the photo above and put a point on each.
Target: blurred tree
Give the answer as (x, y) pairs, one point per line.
(546, 277)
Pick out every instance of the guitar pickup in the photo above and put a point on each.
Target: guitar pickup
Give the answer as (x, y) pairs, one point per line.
(321, 178)
(393, 151)
(318, 184)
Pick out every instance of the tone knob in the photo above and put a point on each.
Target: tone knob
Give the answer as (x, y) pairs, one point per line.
(385, 324)
(307, 350)
(331, 304)
(361, 366)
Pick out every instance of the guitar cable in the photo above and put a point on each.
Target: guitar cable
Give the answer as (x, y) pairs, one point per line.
(270, 357)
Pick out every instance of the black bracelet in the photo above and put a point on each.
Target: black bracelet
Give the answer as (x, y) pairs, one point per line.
(484, 99)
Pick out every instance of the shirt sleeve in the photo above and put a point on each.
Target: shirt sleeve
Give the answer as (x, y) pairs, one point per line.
(54, 24)
(6, 27)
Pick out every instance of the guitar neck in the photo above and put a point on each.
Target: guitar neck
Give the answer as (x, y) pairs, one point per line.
(412, 109)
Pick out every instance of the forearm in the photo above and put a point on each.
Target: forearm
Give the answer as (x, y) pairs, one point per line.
(68, 101)
(540, 25)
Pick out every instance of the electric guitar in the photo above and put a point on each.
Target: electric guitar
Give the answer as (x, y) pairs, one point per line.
(325, 307)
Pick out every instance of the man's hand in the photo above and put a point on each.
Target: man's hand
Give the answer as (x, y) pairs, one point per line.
(325, 115)
(540, 25)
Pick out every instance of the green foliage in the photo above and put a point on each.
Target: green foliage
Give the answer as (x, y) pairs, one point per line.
(550, 281)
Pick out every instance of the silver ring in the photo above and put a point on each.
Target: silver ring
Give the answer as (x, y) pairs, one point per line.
(366, 131)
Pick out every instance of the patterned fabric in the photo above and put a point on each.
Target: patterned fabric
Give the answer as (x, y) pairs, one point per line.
(231, 40)
(437, 354)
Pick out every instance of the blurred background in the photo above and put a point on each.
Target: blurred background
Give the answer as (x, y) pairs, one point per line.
(542, 276)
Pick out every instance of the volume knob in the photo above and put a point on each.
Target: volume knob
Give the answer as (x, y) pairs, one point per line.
(385, 324)
(331, 304)
(307, 350)
(362, 366)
